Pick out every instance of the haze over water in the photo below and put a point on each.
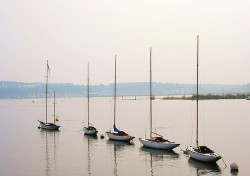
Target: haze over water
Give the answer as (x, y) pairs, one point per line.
(27, 150)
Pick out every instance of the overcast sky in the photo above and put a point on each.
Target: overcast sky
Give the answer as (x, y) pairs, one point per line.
(69, 33)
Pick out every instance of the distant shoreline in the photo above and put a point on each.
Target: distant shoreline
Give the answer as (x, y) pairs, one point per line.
(209, 97)
(19, 90)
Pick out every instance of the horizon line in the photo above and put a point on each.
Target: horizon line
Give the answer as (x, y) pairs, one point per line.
(124, 83)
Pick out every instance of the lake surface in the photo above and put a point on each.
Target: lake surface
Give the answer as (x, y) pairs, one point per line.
(26, 150)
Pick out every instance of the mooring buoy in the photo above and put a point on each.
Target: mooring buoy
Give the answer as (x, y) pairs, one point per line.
(234, 166)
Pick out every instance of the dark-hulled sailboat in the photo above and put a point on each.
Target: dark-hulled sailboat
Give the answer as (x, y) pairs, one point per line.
(46, 125)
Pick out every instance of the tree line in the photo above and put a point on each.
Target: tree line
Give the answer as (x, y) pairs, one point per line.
(209, 97)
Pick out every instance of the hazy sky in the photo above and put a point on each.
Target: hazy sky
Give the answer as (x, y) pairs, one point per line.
(69, 33)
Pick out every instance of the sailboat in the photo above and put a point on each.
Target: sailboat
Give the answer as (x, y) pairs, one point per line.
(46, 125)
(118, 134)
(90, 130)
(157, 142)
(201, 153)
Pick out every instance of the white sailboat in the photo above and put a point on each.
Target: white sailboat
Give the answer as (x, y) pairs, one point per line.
(157, 142)
(118, 134)
(201, 153)
(46, 125)
(89, 130)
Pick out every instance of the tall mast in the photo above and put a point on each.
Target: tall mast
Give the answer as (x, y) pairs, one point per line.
(54, 107)
(115, 92)
(197, 128)
(150, 93)
(47, 91)
(88, 94)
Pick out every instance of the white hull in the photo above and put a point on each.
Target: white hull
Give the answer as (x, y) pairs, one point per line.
(119, 138)
(90, 132)
(205, 157)
(48, 126)
(158, 145)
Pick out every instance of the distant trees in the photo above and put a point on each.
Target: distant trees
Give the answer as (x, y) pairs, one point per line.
(213, 96)
(209, 97)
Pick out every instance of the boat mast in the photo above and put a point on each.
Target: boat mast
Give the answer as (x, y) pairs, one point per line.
(88, 94)
(115, 92)
(47, 91)
(54, 107)
(197, 95)
(150, 94)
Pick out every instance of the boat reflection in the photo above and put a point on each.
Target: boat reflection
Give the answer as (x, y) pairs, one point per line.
(118, 146)
(51, 141)
(157, 156)
(91, 139)
(234, 172)
(205, 168)
(169, 154)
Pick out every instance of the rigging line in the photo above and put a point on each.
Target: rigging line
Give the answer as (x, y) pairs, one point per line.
(79, 130)
(193, 118)
(126, 121)
(202, 114)
(203, 124)
(224, 162)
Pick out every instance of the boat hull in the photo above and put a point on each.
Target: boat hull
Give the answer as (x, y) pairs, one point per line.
(113, 136)
(49, 126)
(158, 145)
(90, 132)
(204, 157)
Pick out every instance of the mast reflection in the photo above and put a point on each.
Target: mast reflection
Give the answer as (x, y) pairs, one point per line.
(90, 140)
(157, 155)
(118, 146)
(50, 150)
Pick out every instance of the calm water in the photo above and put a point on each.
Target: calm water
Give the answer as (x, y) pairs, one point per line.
(27, 150)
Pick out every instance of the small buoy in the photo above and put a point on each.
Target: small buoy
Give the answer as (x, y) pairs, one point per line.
(132, 142)
(57, 119)
(185, 151)
(102, 136)
(234, 166)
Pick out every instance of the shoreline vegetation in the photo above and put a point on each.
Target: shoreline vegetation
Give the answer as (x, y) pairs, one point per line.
(209, 97)
(20, 90)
